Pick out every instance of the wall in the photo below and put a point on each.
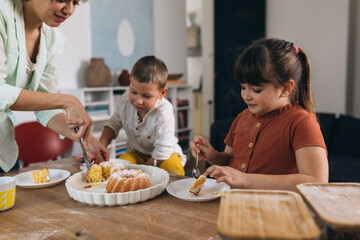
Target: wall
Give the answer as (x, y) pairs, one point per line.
(321, 29)
(170, 34)
(353, 88)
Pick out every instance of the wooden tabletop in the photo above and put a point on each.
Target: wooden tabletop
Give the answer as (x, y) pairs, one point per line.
(50, 213)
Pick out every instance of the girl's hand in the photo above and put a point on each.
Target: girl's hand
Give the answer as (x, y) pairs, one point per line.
(201, 146)
(232, 177)
(77, 117)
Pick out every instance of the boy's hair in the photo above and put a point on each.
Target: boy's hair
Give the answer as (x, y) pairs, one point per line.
(277, 61)
(150, 69)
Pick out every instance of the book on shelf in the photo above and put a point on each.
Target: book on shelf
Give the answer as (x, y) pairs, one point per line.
(182, 103)
(97, 110)
(184, 140)
(183, 136)
(182, 119)
(120, 150)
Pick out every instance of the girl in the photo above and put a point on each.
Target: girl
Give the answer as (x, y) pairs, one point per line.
(276, 143)
(30, 53)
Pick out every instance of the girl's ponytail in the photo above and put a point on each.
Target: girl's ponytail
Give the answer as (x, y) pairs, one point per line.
(305, 93)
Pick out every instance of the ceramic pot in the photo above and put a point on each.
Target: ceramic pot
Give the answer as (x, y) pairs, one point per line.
(97, 74)
(124, 78)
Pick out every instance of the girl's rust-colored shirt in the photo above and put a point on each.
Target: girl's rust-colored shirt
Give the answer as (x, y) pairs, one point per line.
(267, 143)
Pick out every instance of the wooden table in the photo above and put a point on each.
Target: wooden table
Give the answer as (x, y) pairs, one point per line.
(50, 213)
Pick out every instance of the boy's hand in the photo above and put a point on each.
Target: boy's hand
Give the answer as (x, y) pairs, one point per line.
(201, 146)
(97, 153)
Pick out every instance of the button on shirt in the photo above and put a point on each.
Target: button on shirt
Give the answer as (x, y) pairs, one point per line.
(154, 135)
(267, 143)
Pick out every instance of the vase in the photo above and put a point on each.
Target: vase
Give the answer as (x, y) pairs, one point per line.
(97, 74)
(124, 78)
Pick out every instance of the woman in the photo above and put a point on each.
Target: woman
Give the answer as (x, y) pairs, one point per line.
(30, 51)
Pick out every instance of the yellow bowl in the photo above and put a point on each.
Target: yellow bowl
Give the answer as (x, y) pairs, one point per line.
(7, 192)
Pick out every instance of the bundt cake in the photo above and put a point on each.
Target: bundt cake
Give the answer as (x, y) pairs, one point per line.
(198, 184)
(41, 176)
(109, 168)
(95, 174)
(128, 180)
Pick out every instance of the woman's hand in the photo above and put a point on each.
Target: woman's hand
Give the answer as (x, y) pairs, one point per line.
(77, 117)
(232, 177)
(96, 152)
(201, 146)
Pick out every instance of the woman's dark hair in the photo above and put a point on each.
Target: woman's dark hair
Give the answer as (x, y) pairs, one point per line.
(277, 61)
(150, 69)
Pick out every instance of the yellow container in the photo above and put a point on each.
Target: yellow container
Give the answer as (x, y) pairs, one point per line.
(7, 192)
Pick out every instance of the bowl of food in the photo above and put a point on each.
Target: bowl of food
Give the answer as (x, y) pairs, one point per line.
(7, 192)
(95, 193)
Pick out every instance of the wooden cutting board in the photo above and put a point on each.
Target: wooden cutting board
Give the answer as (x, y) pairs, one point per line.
(265, 214)
(336, 204)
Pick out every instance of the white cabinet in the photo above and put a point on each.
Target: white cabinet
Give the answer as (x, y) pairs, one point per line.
(101, 102)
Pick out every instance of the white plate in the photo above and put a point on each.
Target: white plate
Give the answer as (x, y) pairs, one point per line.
(96, 195)
(56, 176)
(210, 190)
(83, 166)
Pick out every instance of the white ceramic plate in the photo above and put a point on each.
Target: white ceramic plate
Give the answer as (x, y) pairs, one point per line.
(83, 166)
(56, 176)
(96, 194)
(210, 191)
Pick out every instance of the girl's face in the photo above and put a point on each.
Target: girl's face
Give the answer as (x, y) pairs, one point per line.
(144, 96)
(52, 12)
(264, 98)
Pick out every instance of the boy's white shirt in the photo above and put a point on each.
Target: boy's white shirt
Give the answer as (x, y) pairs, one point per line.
(154, 136)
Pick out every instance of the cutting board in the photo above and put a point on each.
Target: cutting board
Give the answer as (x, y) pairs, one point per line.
(265, 214)
(336, 204)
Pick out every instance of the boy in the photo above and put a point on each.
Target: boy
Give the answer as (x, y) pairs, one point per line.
(148, 119)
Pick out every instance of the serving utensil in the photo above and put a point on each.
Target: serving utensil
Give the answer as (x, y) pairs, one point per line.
(196, 172)
(86, 158)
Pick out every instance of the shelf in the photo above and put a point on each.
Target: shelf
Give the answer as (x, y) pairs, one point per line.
(97, 103)
(183, 108)
(102, 117)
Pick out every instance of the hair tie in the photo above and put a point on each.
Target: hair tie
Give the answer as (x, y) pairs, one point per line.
(296, 49)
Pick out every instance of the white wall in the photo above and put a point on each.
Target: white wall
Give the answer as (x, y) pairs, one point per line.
(321, 29)
(170, 34)
(77, 49)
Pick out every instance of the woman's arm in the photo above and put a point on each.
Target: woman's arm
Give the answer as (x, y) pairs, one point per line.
(312, 166)
(96, 152)
(76, 116)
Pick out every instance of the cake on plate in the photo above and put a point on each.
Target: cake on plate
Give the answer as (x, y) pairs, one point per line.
(109, 168)
(198, 184)
(40, 176)
(128, 180)
(95, 174)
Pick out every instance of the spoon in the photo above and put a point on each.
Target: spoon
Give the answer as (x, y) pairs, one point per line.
(196, 172)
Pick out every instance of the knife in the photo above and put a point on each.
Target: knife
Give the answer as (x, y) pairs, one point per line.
(86, 158)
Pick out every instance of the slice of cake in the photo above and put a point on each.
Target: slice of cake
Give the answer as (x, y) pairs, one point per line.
(109, 168)
(198, 184)
(41, 176)
(95, 174)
